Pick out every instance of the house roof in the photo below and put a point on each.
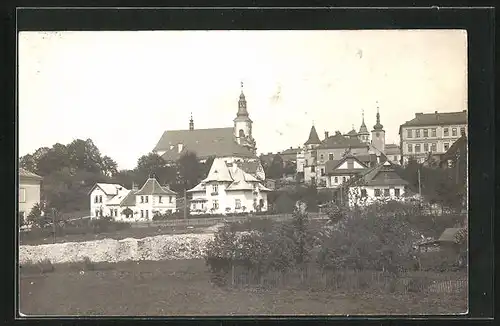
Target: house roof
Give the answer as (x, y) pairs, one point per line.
(448, 235)
(27, 174)
(110, 189)
(352, 133)
(382, 174)
(331, 166)
(152, 187)
(218, 172)
(290, 151)
(116, 200)
(437, 118)
(219, 142)
(341, 141)
(313, 137)
(460, 144)
(251, 167)
(129, 199)
(391, 149)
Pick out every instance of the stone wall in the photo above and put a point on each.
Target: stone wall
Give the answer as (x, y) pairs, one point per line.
(162, 247)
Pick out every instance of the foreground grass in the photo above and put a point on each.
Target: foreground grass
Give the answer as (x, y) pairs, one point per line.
(182, 287)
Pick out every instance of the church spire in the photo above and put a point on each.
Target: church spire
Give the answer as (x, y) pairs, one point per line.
(363, 130)
(313, 137)
(242, 104)
(378, 125)
(191, 122)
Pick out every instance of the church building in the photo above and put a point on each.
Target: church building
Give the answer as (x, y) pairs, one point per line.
(233, 143)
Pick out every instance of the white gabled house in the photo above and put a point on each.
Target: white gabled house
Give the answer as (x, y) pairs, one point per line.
(341, 171)
(228, 189)
(116, 201)
(382, 182)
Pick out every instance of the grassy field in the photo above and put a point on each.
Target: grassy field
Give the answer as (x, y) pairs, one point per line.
(173, 288)
(137, 233)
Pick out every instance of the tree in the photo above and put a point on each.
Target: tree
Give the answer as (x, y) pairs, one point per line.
(276, 169)
(84, 155)
(40, 216)
(55, 159)
(189, 170)
(28, 163)
(108, 166)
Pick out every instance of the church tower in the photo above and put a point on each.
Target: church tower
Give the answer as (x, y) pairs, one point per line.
(378, 134)
(363, 134)
(243, 124)
(191, 122)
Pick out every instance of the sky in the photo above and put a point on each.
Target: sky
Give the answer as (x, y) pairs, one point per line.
(123, 89)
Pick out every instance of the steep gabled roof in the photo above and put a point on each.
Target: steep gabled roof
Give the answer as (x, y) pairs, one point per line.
(437, 118)
(313, 137)
(152, 187)
(331, 166)
(219, 171)
(382, 174)
(219, 142)
(117, 200)
(110, 189)
(129, 199)
(459, 145)
(27, 174)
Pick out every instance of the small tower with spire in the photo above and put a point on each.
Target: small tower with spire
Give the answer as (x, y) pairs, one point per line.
(363, 134)
(191, 122)
(243, 124)
(378, 134)
(313, 140)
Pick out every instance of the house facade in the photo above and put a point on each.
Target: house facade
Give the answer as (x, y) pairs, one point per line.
(29, 191)
(341, 171)
(431, 134)
(381, 182)
(228, 189)
(134, 204)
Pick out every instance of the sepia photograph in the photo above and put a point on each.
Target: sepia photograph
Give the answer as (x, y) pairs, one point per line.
(243, 172)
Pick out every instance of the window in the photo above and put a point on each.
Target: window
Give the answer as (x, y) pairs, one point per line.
(409, 148)
(396, 192)
(433, 132)
(116, 212)
(215, 204)
(454, 132)
(408, 133)
(142, 213)
(426, 132)
(462, 130)
(170, 199)
(417, 148)
(193, 206)
(321, 157)
(395, 158)
(446, 146)
(237, 203)
(96, 212)
(336, 179)
(387, 192)
(377, 192)
(350, 164)
(433, 147)
(343, 179)
(426, 148)
(313, 168)
(146, 197)
(330, 156)
(96, 200)
(22, 195)
(417, 133)
(446, 132)
(147, 213)
(160, 200)
(322, 171)
(363, 193)
(100, 199)
(142, 199)
(215, 189)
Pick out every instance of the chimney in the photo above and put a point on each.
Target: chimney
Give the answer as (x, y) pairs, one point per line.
(326, 134)
(436, 112)
(179, 148)
(166, 186)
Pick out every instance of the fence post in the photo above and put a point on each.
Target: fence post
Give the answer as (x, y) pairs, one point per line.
(232, 274)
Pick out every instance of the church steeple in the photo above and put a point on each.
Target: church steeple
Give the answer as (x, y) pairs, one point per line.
(378, 125)
(191, 122)
(242, 104)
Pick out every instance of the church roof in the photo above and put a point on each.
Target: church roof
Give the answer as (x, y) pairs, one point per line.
(363, 130)
(352, 133)
(313, 137)
(205, 143)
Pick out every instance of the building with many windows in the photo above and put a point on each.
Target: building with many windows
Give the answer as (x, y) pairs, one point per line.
(431, 134)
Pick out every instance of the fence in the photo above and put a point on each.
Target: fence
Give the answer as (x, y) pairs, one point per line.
(317, 279)
(215, 220)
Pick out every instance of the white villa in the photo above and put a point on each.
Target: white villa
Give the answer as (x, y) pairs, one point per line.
(228, 189)
(114, 200)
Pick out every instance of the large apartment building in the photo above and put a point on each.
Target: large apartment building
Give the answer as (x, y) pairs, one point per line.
(431, 133)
